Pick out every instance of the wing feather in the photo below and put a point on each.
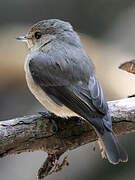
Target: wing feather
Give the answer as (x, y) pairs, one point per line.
(97, 96)
(83, 95)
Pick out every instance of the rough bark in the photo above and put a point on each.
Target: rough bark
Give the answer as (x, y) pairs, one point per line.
(34, 132)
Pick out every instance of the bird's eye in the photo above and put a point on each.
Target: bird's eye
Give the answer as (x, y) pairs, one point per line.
(38, 35)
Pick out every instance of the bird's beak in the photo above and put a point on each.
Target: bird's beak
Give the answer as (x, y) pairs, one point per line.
(22, 38)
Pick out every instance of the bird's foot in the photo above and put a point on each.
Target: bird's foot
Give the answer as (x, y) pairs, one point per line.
(52, 118)
(48, 115)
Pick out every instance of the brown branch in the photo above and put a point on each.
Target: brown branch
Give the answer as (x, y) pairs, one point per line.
(34, 132)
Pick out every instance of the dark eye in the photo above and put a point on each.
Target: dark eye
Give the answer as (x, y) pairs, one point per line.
(38, 35)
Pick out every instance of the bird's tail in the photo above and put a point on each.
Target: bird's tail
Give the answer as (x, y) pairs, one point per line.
(113, 150)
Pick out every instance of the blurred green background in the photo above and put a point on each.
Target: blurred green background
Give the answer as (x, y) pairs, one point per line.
(107, 30)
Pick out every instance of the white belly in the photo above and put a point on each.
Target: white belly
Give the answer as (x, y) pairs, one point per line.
(48, 103)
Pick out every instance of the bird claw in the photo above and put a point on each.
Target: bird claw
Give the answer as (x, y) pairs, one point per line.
(52, 118)
(48, 115)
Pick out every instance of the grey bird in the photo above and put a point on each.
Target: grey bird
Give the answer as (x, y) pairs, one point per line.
(62, 77)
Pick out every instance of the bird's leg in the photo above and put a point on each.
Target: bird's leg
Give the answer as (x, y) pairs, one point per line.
(103, 154)
(52, 118)
(58, 120)
(48, 115)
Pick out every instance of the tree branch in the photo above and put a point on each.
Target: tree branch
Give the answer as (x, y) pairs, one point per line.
(34, 132)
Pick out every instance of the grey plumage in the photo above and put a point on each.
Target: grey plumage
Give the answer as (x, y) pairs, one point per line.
(59, 66)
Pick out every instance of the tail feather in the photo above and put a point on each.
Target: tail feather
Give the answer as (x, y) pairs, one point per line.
(108, 142)
(114, 152)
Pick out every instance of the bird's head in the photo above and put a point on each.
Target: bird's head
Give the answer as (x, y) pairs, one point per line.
(47, 31)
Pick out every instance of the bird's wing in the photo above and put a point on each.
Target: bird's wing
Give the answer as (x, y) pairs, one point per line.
(79, 101)
(58, 69)
(62, 84)
(97, 96)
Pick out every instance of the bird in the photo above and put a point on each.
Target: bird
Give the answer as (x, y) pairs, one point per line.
(62, 77)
